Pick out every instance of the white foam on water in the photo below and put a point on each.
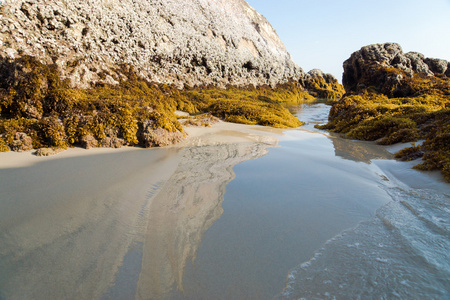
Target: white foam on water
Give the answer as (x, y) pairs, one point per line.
(401, 253)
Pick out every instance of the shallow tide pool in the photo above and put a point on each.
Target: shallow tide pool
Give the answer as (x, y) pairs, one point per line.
(317, 217)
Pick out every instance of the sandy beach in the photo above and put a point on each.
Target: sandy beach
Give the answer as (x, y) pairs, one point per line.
(89, 208)
(218, 134)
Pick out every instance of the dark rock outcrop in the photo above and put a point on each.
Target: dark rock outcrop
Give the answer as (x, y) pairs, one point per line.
(216, 42)
(383, 67)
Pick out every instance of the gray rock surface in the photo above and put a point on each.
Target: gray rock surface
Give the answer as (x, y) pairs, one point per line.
(194, 42)
(364, 66)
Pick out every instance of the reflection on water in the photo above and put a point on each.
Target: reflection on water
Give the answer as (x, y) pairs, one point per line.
(401, 253)
(188, 204)
(158, 224)
(315, 113)
(66, 224)
(312, 113)
(359, 150)
(278, 211)
(110, 226)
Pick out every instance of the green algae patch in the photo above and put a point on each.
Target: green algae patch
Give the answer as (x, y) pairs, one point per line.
(38, 109)
(253, 112)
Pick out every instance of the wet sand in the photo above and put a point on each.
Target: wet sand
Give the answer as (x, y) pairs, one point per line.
(198, 220)
(70, 223)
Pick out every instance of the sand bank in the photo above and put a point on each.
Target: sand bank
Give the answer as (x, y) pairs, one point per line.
(218, 134)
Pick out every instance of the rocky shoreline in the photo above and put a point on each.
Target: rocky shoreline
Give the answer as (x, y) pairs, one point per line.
(394, 97)
(112, 74)
(40, 110)
(176, 42)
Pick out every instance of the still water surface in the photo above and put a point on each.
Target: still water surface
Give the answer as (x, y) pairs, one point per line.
(318, 217)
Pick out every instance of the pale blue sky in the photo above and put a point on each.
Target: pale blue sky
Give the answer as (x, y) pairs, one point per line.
(324, 33)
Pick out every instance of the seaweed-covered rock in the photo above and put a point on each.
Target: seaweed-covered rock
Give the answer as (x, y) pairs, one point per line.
(22, 142)
(89, 141)
(394, 97)
(3, 146)
(111, 139)
(323, 85)
(205, 120)
(48, 151)
(383, 67)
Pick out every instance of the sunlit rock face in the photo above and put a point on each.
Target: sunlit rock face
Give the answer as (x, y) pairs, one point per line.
(182, 42)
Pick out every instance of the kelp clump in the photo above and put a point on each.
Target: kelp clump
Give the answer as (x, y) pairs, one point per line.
(389, 105)
(40, 110)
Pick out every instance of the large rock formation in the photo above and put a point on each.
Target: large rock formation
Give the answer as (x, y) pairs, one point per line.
(384, 67)
(394, 97)
(197, 42)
